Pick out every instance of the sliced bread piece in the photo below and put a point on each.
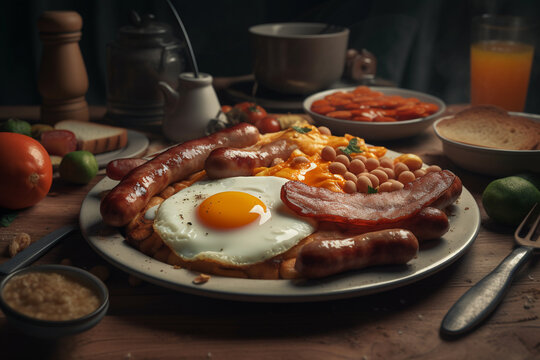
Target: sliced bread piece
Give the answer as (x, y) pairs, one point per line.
(94, 137)
(492, 127)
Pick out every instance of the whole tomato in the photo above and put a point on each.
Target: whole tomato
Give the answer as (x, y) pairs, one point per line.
(268, 124)
(253, 111)
(25, 171)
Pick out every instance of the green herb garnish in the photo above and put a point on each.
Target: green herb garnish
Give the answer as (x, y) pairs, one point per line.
(351, 148)
(7, 217)
(371, 190)
(302, 130)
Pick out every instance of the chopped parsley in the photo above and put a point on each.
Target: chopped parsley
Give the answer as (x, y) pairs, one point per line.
(352, 148)
(371, 190)
(302, 130)
(7, 217)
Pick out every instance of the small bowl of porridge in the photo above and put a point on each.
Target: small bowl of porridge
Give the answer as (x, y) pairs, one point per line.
(53, 300)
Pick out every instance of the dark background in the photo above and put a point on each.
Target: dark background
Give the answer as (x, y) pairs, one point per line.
(421, 45)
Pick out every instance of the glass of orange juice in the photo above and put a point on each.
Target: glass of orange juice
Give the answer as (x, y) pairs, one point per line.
(502, 51)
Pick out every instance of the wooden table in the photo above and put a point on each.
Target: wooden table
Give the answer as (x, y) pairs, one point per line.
(151, 322)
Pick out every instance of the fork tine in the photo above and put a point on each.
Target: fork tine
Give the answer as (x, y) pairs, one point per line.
(536, 219)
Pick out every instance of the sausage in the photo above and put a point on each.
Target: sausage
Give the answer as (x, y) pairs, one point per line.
(430, 223)
(117, 169)
(132, 194)
(229, 162)
(321, 258)
(449, 196)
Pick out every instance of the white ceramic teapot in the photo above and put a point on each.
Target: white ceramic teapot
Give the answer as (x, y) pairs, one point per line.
(188, 110)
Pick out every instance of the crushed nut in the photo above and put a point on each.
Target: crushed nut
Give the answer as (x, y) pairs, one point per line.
(19, 242)
(177, 267)
(101, 271)
(201, 279)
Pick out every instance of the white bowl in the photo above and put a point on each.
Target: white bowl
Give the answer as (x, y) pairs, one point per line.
(487, 161)
(377, 130)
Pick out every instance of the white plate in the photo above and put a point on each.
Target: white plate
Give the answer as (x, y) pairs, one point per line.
(136, 145)
(434, 256)
(494, 162)
(376, 130)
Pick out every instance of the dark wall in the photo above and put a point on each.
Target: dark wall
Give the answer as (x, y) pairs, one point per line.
(421, 45)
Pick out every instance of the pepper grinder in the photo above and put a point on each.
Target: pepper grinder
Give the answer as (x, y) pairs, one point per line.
(63, 80)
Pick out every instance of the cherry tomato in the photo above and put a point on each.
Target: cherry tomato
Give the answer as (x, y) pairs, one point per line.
(59, 142)
(253, 111)
(26, 171)
(268, 124)
(226, 108)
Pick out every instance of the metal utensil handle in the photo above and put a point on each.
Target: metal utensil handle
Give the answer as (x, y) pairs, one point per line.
(35, 250)
(480, 300)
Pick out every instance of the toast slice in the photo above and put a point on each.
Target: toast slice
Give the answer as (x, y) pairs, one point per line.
(94, 137)
(492, 127)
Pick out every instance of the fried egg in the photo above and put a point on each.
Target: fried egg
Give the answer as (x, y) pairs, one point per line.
(234, 221)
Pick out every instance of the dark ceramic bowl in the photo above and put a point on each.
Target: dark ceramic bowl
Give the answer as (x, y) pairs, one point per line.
(54, 329)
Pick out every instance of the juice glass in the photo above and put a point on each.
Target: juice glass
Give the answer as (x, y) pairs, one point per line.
(501, 57)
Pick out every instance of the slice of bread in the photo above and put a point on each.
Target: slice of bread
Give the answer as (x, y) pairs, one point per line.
(492, 127)
(94, 137)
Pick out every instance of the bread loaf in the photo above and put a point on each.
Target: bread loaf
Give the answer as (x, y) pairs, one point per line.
(94, 137)
(492, 127)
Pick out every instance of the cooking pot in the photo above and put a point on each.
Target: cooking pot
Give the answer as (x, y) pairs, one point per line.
(298, 58)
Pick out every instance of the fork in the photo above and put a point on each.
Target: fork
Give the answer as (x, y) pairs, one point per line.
(481, 299)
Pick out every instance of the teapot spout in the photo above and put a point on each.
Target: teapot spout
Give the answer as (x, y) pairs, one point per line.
(171, 96)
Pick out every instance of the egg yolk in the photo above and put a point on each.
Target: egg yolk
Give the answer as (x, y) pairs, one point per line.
(231, 209)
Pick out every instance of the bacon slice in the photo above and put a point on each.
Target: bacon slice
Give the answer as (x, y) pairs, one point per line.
(368, 209)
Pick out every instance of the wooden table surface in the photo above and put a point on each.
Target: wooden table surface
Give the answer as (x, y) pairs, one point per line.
(150, 322)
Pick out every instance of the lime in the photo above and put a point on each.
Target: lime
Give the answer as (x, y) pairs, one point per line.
(532, 178)
(508, 200)
(78, 167)
(16, 126)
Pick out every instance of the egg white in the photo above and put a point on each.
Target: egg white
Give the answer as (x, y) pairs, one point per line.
(178, 225)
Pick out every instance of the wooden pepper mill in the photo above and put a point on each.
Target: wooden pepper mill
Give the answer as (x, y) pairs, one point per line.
(62, 81)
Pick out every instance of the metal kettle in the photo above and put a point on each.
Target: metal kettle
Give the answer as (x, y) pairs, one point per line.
(144, 53)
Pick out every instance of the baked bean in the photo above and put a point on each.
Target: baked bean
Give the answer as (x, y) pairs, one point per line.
(412, 161)
(374, 180)
(328, 153)
(363, 183)
(406, 177)
(349, 187)
(419, 173)
(372, 164)
(361, 158)
(433, 168)
(337, 168)
(396, 185)
(390, 172)
(350, 176)
(324, 130)
(381, 175)
(343, 159)
(386, 186)
(299, 160)
(386, 162)
(399, 168)
(357, 166)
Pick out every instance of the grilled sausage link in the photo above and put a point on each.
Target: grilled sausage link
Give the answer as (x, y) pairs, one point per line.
(229, 162)
(135, 189)
(322, 258)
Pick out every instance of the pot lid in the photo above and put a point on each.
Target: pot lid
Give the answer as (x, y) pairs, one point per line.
(147, 31)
